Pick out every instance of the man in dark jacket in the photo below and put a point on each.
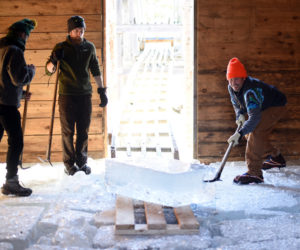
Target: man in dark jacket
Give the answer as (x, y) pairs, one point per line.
(265, 106)
(77, 58)
(15, 74)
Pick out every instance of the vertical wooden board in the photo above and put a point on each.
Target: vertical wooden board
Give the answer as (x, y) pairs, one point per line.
(155, 216)
(186, 218)
(124, 213)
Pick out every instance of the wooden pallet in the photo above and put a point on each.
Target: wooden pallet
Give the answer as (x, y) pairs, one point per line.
(158, 219)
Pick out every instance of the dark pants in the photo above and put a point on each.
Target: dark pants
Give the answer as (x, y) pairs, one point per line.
(75, 111)
(10, 121)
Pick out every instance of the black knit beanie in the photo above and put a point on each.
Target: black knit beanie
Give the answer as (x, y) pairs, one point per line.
(76, 22)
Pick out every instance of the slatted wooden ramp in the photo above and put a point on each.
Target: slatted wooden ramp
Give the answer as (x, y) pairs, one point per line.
(142, 218)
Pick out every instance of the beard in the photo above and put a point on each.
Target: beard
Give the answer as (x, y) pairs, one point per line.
(76, 40)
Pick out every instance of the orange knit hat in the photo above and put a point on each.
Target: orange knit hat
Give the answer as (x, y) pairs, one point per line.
(235, 69)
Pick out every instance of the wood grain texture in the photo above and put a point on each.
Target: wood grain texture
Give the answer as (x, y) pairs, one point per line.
(155, 216)
(264, 35)
(60, 7)
(124, 213)
(52, 28)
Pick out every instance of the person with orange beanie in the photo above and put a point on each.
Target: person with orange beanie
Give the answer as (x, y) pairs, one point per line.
(264, 105)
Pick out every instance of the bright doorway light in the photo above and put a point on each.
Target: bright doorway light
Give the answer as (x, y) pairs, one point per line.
(149, 40)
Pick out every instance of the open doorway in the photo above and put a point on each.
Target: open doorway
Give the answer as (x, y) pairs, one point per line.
(150, 60)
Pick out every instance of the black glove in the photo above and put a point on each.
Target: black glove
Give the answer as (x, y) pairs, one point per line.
(56, 56)
(103, 97)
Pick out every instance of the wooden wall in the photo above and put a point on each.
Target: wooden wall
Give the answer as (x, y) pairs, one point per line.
(52, 19)
(265, 36)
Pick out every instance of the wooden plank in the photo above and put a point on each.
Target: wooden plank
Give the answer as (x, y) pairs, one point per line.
(124, 213)
(40, 126)
(155, 216)
(56, 156)
(52, 23)
(42, 109)
(141, 229)
(43, 91)
(40, 143)
(278, 134)
(39, 59)
(217, 149)
(60, 7)
(48, 40)
(186, 218)
(156, 223)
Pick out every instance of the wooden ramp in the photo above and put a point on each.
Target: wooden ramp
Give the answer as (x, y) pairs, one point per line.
(143, 218)
(143, 124)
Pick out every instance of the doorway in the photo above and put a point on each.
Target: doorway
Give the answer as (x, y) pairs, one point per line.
(149, 73)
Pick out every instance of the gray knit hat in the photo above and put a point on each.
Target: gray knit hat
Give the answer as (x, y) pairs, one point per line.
(76, 22)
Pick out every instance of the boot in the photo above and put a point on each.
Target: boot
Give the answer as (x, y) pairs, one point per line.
(274, 162)
(72, 170)
(246, 178)
(12, 186)
(85, 168)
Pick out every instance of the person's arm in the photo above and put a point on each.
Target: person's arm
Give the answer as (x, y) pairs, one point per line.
(56, 55)
(253, 100)
(20, 73)
(99, 82)
(236, 106)
(95, 70)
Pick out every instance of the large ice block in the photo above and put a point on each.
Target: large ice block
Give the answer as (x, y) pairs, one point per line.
(164, 181)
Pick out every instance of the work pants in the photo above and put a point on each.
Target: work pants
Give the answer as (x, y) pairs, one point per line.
(10, 121)
(258, 142)
(75, 111)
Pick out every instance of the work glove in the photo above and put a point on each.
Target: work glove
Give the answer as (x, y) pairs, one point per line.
(234, 138)
(56, 56)
(103, 97)
(241, 120)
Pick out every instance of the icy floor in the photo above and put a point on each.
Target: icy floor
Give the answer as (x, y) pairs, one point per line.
(63, 212)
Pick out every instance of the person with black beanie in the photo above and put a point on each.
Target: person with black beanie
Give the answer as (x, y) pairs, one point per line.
(77, 58)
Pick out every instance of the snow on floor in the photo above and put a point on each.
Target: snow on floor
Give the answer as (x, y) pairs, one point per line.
(63, 212)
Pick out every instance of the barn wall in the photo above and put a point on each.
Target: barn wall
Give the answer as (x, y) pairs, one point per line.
(265, 36)
(52, 19)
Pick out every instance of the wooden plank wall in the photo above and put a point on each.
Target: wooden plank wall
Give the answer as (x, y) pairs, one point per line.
(265, 36)
(52, 19)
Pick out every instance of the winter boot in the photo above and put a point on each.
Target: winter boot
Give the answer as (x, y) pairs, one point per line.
(274, 162)
(72, 170)
(12, 186)
(248, 179)
(85, 168)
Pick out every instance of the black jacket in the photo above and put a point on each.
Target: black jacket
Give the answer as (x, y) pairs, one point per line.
(75, 67)
(14, 72)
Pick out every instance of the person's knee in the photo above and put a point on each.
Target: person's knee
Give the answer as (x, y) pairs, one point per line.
(16, 141)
